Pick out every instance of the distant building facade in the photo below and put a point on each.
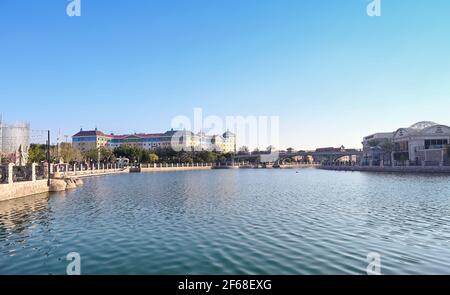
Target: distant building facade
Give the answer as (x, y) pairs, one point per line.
(423, 142)
(89, 140)
(177, 140)
(377, 148)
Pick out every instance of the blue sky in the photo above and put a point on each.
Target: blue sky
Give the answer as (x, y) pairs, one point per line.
(330, 72)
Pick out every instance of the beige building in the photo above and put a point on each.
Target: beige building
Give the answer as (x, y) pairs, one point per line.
(177, 140)
(89, 140)
(424, 143)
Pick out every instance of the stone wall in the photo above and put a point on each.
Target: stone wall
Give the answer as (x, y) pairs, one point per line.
(167, 169)
(400, 169)
(22, 189)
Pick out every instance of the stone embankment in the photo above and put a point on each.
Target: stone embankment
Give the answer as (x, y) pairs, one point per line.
(58, 185)
(396, 169)
(27, 188)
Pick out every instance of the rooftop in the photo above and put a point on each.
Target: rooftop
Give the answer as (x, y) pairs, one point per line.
(90, 133)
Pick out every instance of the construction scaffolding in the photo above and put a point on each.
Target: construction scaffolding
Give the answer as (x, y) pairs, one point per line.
(15, 142)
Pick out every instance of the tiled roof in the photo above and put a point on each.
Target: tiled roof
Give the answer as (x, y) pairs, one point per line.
(90, 133)
(145, 135)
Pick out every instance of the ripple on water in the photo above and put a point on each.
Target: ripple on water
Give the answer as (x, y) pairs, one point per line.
(233, 222)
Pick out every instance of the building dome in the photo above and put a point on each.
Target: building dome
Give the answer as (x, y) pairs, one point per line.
(422, 125)
(228, 134)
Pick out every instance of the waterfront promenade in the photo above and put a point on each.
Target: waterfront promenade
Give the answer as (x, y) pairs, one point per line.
(392, 169)
(18, 183)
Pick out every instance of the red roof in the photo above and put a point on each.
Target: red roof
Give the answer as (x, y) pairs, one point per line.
(149, 134)
(140, 135)
(90, 133)
(99, 133)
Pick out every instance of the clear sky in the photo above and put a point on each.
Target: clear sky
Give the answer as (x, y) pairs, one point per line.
(328, 70)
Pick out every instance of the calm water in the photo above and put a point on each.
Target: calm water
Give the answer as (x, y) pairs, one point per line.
(233, 222)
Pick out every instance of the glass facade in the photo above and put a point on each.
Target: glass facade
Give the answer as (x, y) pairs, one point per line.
(435, 143)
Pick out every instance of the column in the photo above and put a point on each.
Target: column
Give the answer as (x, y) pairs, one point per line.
(10, 173)
(33, 172)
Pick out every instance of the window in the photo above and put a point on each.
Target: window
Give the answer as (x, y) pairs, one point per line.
(435, 143)
(401, 146)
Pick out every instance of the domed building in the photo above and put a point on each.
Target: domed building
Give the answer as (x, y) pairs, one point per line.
(422, 142)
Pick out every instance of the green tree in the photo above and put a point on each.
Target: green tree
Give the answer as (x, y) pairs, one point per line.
(185, 157)
(153, 157)
(205, 157)
(90, 155)
(145, 157)
(107, 155)
(243, 150)
(37, 153)
(130, 152)
(70, 154)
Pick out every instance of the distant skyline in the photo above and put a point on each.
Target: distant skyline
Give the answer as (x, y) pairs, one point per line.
(329, 71)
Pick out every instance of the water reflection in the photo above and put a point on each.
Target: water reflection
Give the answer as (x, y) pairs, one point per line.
(233, 222)
(20, 215)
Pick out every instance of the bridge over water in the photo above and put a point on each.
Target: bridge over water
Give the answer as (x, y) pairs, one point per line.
(330, 156)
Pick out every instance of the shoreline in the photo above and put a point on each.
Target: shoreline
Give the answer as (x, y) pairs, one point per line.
(63, 181)
(390, 169)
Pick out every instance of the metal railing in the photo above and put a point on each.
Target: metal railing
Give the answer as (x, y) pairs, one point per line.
(3, 174)
(40, 172)
(13, 174)
(22, 173)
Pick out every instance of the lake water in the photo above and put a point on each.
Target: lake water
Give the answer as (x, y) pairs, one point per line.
(233, 222)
